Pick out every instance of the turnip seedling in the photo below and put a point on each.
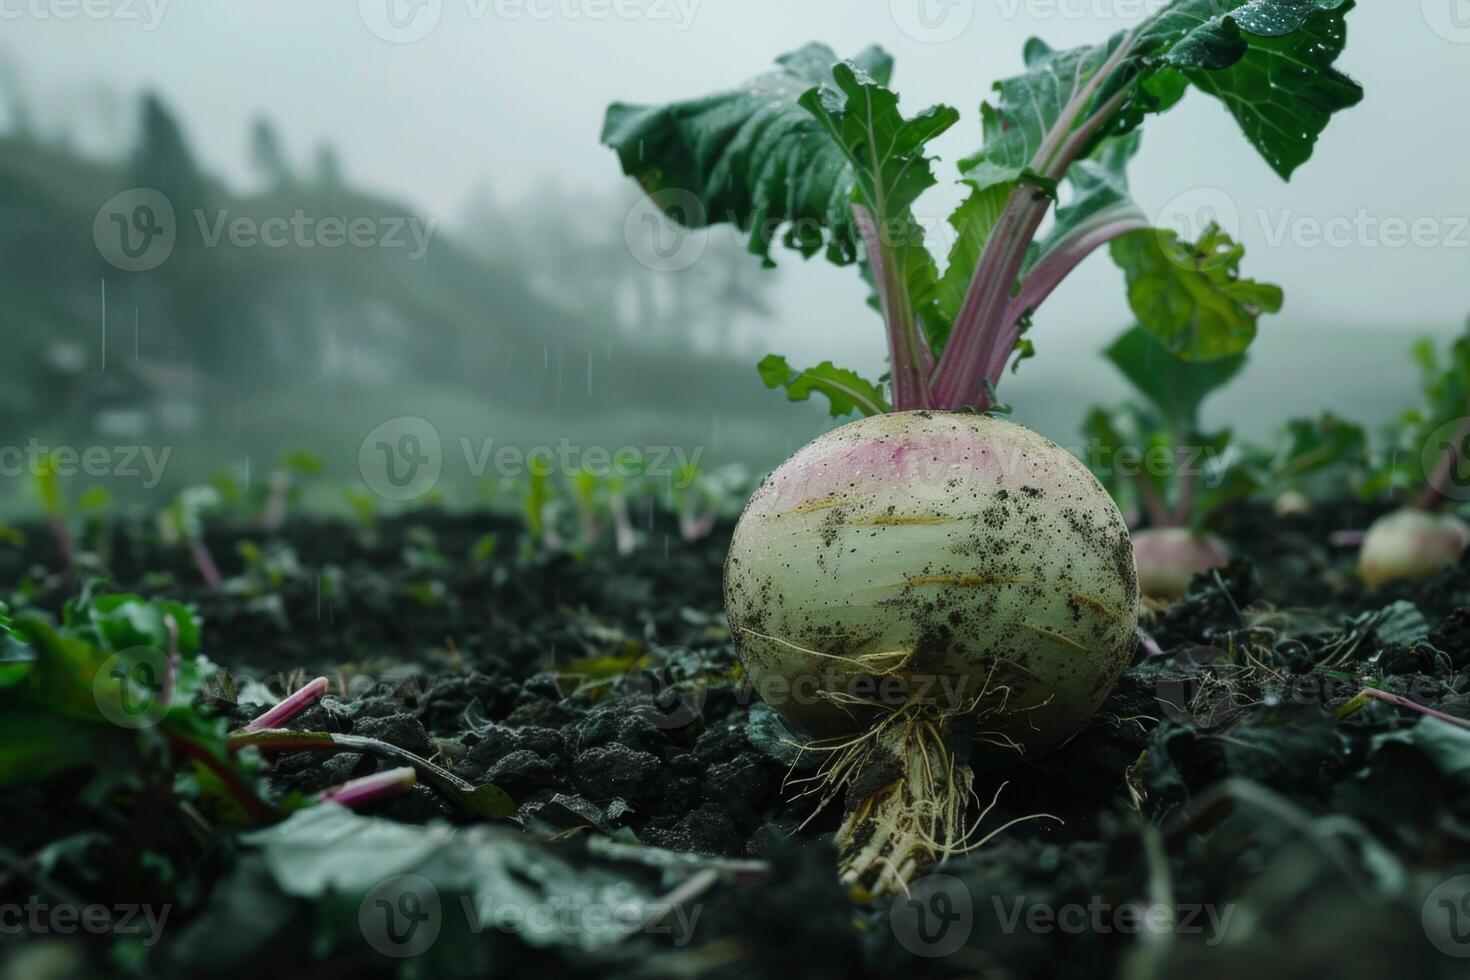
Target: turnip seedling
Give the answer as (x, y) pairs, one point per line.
(1417, 540)
(1158, 462)
(956, 547)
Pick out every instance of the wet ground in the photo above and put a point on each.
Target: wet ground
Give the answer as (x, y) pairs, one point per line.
(1223, 815)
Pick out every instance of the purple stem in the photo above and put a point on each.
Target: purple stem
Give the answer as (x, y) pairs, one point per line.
(906, 353)
(366, 789)
(289, 707)
(1399, 701)
(1346, 539)
(986, 329)
(204, 561)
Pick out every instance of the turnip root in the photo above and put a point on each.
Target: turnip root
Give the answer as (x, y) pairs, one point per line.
(1169, 558)
(1410, 544)
(912, 583)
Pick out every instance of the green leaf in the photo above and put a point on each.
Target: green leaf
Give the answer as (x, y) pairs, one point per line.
(35, 743)
(1175, 387)
(1190, 296)
(1269, 61)
(754, 156)
(972, 221)
(845, 390)
(1279, 83)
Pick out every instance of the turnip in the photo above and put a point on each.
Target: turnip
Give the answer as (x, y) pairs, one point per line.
(976, 566)
(1169, 558)
(1417, 541)
(1410, 543)
(938, 544)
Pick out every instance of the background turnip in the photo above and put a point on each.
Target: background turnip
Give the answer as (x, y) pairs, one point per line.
(911, 583)
(1169, 558)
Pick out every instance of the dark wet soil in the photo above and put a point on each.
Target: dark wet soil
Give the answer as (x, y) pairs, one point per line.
(603, 695)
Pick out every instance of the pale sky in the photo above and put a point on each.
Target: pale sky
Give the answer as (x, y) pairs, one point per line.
(514, 90)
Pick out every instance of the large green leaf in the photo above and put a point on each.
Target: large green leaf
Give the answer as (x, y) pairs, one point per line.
(845, 390)
(754, 156)
(890, 171)
(1175, 387)
(1269, 61)
(1190, 295)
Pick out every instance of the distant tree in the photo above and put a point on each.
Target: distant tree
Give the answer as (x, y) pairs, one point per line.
(162, 159)
(266, 155)
(327, 170)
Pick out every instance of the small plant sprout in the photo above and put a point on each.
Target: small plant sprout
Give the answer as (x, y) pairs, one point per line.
(53, 502)
(539, 505)
(624, 536)
(692, 504)
(285, 484)
(925, 542)
(1417, 540)
(183, 523)
(1159, 464)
